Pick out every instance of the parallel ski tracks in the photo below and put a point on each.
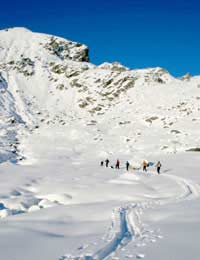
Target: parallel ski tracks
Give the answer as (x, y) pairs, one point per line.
(126, 225)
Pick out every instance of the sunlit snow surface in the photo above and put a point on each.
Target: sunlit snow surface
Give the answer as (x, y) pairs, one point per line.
(56, 201)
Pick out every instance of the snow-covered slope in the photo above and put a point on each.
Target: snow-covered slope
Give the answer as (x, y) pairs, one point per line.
(59, 116)
(48, 80)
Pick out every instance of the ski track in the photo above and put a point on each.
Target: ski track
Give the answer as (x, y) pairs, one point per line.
(191, 189)
(126, 225)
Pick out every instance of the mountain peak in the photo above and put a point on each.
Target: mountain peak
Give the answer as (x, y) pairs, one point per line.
(16, 29)
(20, 42)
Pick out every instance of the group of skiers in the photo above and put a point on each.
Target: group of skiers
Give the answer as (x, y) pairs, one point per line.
(117, 164)
(145, 164)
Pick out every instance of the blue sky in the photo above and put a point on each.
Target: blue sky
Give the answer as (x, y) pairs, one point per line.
(137, 33)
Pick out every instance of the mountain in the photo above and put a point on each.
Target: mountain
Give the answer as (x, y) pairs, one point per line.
(48, 82)
(60, 116)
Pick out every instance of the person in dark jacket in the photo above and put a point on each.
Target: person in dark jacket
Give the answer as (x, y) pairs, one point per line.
(107, 162)
(127, 165)
(101, 163)
(158, 166)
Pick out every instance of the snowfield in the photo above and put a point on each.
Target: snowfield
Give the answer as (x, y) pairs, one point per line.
(59, 117)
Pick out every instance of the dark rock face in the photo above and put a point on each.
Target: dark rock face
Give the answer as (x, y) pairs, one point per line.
(85, 55)
(67, 49)
(197, 149)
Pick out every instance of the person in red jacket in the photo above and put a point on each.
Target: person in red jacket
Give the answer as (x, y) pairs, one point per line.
(117, 164)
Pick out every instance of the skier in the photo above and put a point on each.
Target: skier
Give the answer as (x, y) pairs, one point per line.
(117, 164)
(127, 165)
(101, 163)
(107, 162)
(158, 166)
(145, 164)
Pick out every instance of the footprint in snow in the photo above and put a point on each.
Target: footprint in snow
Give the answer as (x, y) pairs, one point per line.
(76, 179)
(80, 248)
(15, 193)
(83, 247)
(150, 231)
(140, 256)
(128, 256)
(140, 245)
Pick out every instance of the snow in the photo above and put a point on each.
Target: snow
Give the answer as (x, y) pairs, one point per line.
(82, 208)
(56, 201)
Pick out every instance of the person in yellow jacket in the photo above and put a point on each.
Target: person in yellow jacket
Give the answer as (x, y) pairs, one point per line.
(145, 164)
